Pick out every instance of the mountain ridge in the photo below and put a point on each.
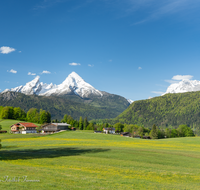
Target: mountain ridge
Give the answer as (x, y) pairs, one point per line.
(73, 84)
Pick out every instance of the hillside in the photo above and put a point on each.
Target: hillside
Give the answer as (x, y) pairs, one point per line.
(170, 109)
(107, 106)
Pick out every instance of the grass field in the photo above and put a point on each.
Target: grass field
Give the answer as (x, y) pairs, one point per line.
(84, 160)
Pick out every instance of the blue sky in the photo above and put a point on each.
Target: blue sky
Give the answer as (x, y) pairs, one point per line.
(133, 48)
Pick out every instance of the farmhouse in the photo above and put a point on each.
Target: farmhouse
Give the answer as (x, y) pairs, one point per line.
(126, 134)
(54, 127)
(109, 130)
(24, 128)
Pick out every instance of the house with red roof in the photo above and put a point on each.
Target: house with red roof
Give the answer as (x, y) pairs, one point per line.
(24, 128)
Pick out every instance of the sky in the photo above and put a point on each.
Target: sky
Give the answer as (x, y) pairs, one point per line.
(132, 48)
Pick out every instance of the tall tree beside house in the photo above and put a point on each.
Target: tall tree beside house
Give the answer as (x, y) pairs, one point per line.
(85, 124)
(45, 117)
(119, 127)
(69, 119)
(19, 114)
(106, 125)
(32, 115)
(185, 131)
(7, 112)
(65, 118)
(1, 108)
(90, 126)
(141, 131)
(48, 117)
(81, 123)
(154, 132)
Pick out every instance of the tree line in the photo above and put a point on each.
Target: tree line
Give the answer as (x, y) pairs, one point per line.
(135, 130)
(33, 114)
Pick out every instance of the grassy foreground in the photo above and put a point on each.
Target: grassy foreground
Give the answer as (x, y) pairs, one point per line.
(84, 160)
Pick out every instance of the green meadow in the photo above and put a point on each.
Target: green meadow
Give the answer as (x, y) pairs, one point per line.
(85, 160)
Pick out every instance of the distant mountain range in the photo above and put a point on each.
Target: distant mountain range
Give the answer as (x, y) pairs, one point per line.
(73, 96)
(72, 85)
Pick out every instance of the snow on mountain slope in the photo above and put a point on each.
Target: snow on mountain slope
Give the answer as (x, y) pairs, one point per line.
(130, 101)
(73, 84)
(184, 86)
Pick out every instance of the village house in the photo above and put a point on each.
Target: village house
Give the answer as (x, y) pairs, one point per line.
(126, 134)
(109, 130)
(24, 128)
(54, 127)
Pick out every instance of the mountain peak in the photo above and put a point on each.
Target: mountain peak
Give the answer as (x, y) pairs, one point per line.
(185, 85)
(34, 81)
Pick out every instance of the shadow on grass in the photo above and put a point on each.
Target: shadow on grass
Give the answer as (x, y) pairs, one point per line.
(45, 153)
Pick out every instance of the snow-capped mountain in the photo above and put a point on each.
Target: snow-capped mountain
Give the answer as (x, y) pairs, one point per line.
(32, 87)
(72, 84)
(130, 101)
(184, 86)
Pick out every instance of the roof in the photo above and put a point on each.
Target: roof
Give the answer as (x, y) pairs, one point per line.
(25, 124)
(109, 128)
(49, 130)
(125, 133)
(61, 124)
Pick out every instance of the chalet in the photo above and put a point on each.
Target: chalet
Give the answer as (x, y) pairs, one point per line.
(54, 127)
(24, 128)
(97, 131)
(146, 137)
(73, 129)
(137, 136)
(125, 134)
(109, 130)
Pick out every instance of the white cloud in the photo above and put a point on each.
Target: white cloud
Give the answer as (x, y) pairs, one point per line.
(177, 78)
(182, 77)
(12, 71)
(20, 51)
(156, 9)
(171, 81)
(90, 65)
(139, 68)
(29, 73)
(157, 92)
(6, 50)
(46, 72)
(74, 64)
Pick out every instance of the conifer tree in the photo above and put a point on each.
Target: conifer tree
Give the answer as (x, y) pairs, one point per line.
(154, 132)
(81, 123)
(85, 124)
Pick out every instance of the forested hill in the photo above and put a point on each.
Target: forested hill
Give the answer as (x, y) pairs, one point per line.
(109, 106)
(170, 109)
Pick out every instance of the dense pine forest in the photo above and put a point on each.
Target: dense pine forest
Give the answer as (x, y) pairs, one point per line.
(168, 111)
